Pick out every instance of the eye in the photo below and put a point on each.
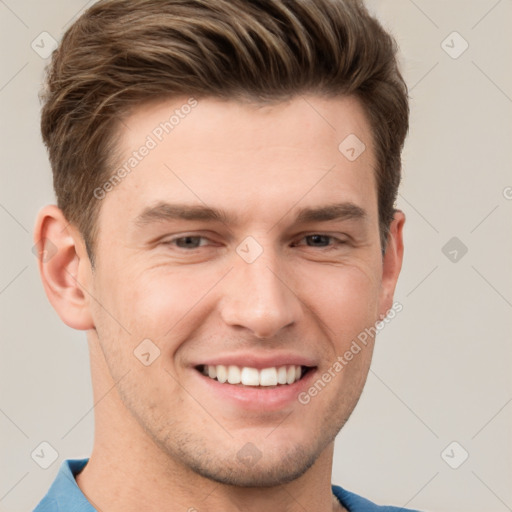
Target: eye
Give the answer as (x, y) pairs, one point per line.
(187, 242)
(318, 240)
(321, 240)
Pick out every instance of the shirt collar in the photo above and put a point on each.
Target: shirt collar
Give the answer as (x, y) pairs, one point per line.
(64, 494)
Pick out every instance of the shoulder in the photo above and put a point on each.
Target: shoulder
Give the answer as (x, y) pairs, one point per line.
(64, 494)
(354, 503)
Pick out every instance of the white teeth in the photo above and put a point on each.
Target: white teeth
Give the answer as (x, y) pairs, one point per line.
(248, 376)
(281, 375)
(222, 373)
(233, 375)
(268, 377)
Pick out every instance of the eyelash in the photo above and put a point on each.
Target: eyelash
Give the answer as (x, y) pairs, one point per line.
(337, 241)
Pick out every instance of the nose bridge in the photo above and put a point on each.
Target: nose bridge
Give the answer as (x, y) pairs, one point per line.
(257, 297)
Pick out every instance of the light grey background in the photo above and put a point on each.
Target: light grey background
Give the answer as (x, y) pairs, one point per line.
(441, 371)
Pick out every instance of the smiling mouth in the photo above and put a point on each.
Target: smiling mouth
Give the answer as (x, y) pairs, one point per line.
(246, 376)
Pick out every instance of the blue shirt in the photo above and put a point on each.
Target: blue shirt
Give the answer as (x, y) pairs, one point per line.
(64, 494)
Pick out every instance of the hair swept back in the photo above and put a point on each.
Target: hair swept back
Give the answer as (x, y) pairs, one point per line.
(122, 53)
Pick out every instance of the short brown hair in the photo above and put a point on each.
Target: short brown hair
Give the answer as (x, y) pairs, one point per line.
(122, 53)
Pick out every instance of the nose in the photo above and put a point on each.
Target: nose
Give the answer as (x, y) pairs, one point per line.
(258, 298)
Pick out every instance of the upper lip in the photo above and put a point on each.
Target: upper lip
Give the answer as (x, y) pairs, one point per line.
(259, 361)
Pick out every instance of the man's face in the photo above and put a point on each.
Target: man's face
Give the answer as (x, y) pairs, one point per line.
(274, 280)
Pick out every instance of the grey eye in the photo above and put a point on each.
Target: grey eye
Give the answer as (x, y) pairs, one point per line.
(188, 242)
(318, 240)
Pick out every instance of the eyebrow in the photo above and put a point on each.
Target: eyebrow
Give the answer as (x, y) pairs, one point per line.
(340, 211)
(163, 211)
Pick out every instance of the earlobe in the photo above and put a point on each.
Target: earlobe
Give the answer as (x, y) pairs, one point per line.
(392, 262)
(64, 267)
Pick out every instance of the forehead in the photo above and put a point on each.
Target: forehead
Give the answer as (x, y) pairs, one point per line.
(319, 121)
(244, 156)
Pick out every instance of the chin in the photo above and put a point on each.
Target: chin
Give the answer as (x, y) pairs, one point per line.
(258, 471)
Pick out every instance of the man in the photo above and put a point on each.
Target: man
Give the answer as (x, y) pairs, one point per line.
(226, 173)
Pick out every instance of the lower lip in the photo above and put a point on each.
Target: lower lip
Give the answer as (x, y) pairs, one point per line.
(257, 398)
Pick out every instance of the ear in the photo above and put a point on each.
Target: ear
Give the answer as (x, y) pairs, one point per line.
(64, 267)
(392, 262)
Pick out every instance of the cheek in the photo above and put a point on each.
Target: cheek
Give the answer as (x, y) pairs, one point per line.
(157, 304)
(162, 304)
(344, 298)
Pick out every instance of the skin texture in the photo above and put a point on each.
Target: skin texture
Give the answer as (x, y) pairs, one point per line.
(164, 438)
